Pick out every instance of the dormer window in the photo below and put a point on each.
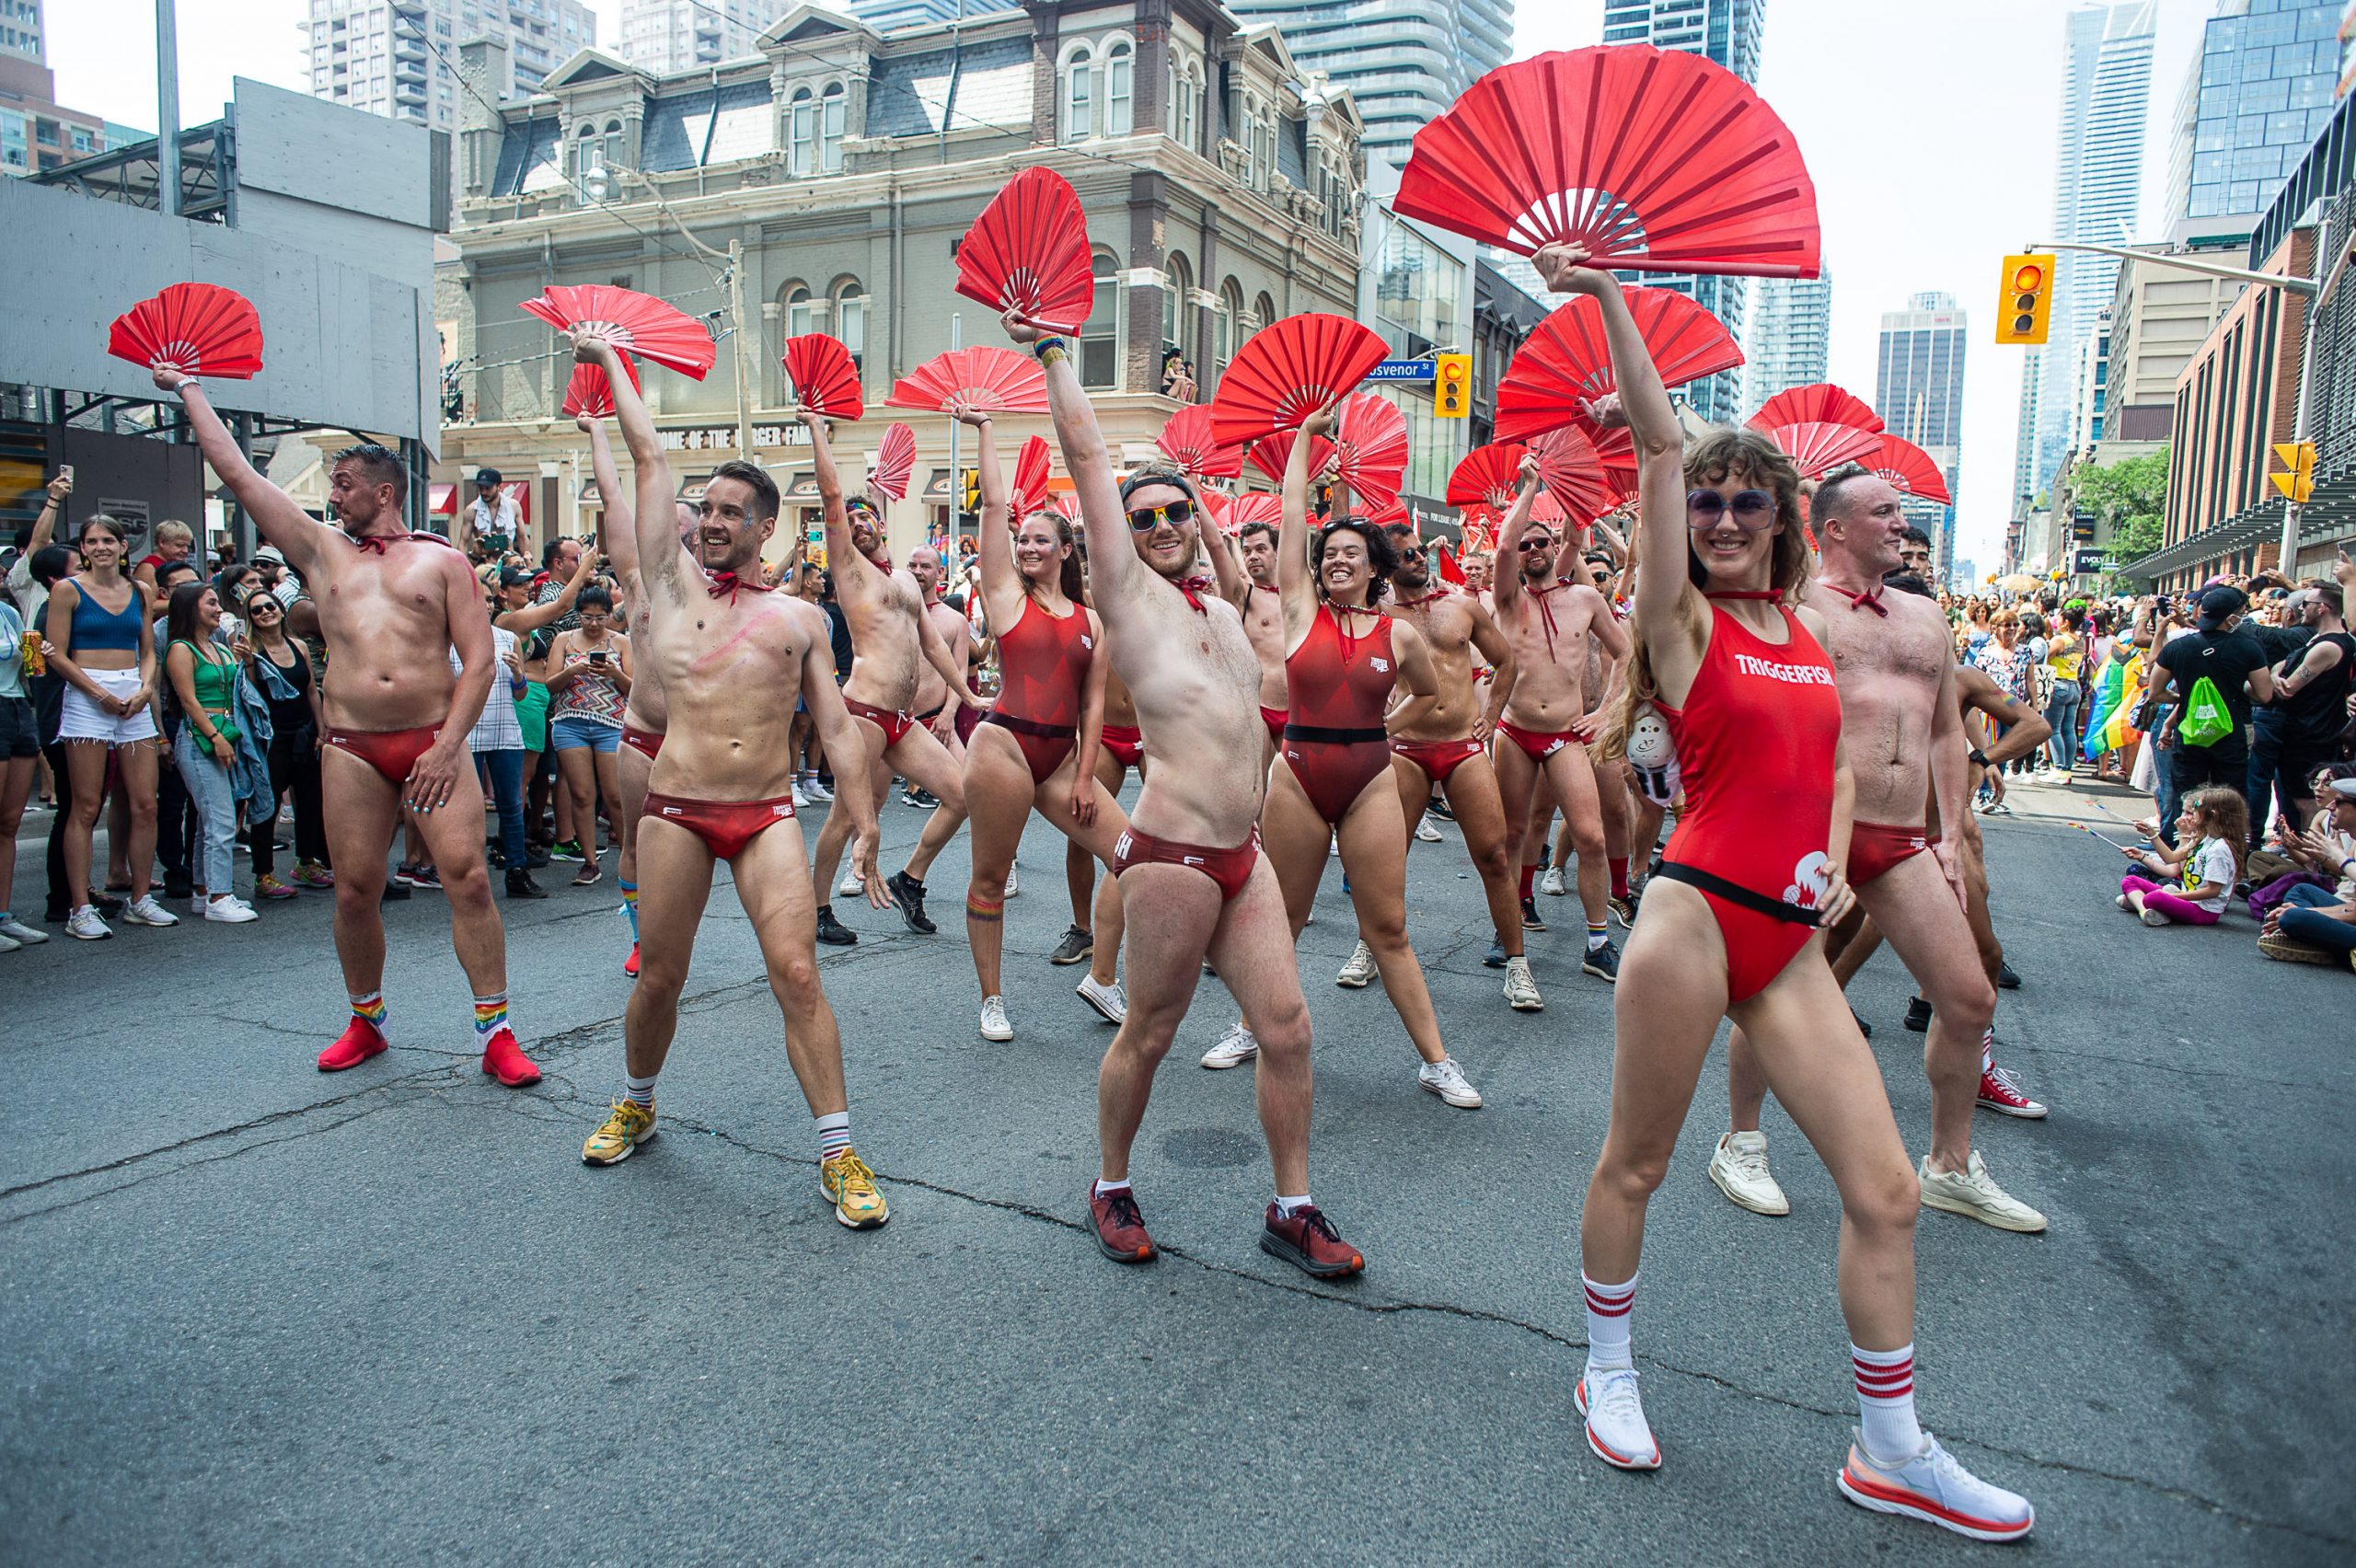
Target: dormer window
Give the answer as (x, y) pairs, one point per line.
(1080, 95)
(1118, 70)
(815, 130)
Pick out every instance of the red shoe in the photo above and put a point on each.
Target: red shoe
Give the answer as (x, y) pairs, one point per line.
(1998, 1093)
(630, 966)
(504, 1060)
(359, 1041)
(1118, 1226)
(1309, 1243)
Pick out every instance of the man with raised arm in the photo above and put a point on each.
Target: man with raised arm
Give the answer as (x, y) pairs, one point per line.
(727, 647)
(1191, 857)
(948, 720)
(1264, 618)
(890, 637)
(1894, 662)
(392, 606)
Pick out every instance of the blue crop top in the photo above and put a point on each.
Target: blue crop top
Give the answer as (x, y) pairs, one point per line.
(94, 627)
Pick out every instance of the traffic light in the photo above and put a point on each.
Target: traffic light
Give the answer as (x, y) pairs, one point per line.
(2025, 298)
(1451, 387)
(2299, 457)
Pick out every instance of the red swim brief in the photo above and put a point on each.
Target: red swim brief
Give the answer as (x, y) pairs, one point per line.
(392, 752)
(1126, 742)
(725, 826)
(893, 724)
(1274, 718)
(1875, 847)
(647, 743)
(1231, 869)
(1438, 758)
(1539, 745)
(1043, 746)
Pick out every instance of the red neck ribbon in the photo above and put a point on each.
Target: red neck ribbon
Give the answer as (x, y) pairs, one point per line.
(1869, 600)
(1194, 588)
(377, 543)
(727, 583)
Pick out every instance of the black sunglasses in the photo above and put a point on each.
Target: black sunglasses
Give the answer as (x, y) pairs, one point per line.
(1754, 509)
(1145, 519)
(1539, 542)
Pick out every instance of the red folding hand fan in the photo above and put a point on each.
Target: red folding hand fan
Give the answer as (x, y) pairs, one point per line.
(1253, 506)
(895, 459)
(1909, 468)
(1574, 479)
(1654, 160)
(1816, 448)
(1450, 570)
(1186, 441)
(1370, 447)
(823, 376)
(1029, 478)
(1822, 401)
(1028, 251)
(998, 380)
(1477, 529)
(1288, 371)
(1565, 365)
(197, 329)
(1271, 453)
(590, 392)
(628, 319)
(1487, 477)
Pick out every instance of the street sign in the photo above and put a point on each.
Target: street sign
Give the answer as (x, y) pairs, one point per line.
(1401, 370)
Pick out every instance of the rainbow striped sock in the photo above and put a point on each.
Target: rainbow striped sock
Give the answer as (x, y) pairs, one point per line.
(370, 1009)
(1598, 933)
(629, 904)
(490, 1015)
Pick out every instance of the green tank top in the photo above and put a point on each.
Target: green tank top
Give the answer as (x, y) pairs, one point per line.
(214, 685)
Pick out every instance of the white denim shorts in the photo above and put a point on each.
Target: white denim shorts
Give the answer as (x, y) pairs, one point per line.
(82, 720)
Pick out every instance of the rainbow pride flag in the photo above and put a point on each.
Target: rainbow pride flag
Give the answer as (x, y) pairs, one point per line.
(2115, 691)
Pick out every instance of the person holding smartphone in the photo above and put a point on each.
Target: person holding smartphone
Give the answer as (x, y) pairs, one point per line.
(589, 682)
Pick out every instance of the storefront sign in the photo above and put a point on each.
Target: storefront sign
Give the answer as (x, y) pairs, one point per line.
(723, 438)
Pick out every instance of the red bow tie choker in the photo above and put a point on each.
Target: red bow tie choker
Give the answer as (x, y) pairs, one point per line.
(1869, 600)
(1194, 588)
(727, 583)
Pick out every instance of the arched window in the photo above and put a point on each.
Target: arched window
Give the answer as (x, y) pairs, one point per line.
(1118, 64)
(1228, 333)
(613, 152)
(850, 319)
(1079, 95)
(797, 310)
(1185, 103)
(585, 153)
(1263, 313)
(830, 128)
(802, 132)
(1177, 306)
(1100, 364)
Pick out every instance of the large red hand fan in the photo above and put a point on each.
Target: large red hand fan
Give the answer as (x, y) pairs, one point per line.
(1253, 506)
(895, 459)
(1572, 477)
(1565, 365)
(1370, 448)
(197, 329)
(590, 392)
(1477, 529)
(1816, 448)
(1286, 371)
(628, 319)
(1394, 511)
(1450, 570)
(1909, 468)
(1487, 477)
(823, 376)
(1654, 160)
(997, 380)
(1821, 401)
(1271, 453)
(1186, 441)
(1028, 251)
(1029, 478)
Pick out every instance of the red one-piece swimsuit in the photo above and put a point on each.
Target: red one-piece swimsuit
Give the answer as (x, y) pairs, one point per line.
(1043, 664)
(1756, 742)
(1336, 685)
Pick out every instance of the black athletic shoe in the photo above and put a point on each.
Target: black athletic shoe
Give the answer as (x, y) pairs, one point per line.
(1077, 946)
(833, 932)
(2005, 979)
(1438, 807)
(1495, 957)
(921, 799)
(907, 896)
(1603, 963)
(394, 890)
(1862, 1027)
(1624, 905)
(1530, 921)
(1918, 1015)
(521, 885)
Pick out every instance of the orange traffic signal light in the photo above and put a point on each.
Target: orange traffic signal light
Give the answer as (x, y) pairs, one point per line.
(2025, 298)
(1451, 387)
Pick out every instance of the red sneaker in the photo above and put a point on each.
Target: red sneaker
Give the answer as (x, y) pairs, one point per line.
(1118, 1226)
(359, 1041)
(1998, 1093)
(504, 1060)
(630, 966)
(1309, 1243)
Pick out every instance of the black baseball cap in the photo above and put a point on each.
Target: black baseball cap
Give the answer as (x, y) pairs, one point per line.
(486, 476)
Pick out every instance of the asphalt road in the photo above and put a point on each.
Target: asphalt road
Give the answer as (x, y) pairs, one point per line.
(257, 1315)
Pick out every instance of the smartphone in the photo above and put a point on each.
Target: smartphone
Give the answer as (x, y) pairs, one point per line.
(597, 656)
(65, 472)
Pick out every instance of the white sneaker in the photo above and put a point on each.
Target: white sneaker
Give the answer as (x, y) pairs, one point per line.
(1932, 1486)
(1232, 1050)
(817, 791)
(1013, 879)
(20, 933)
(1445, 1078)
(851, 886)
(1358, 969)
(1425, 830)
(1616, 1428)
(196, 904)
(1521, 990)
(800, 796)
(147, 912)
(85, 923)
(993, 1024)
(1551, 883)
(9, 944)
(1739, 1168)
(2121, 902)
(2153, 916)
(1974, 1195)
(1111, 1004)
(229, 912)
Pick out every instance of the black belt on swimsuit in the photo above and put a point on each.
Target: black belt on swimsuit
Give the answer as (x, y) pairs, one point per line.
(1337, 737)
(1031, 726)
(1734, 893)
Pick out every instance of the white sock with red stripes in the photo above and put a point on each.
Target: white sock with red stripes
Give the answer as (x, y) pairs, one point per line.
(1886, 1402)
(1608, 1311)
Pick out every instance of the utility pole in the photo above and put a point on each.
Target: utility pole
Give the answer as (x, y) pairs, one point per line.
(956, 474)
(744, 376)
(168, 110)
(2286, 556)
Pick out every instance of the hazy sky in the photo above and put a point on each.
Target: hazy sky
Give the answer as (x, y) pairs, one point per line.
(1928, 127)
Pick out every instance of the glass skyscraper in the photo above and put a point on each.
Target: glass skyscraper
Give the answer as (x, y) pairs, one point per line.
(1790, 338)
(2255, 99)
(1404, 61)
(1918, 391)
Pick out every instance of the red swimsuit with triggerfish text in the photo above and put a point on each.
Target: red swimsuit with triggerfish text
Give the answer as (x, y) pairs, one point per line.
(1336, 684)
(1043, 664)
(1757, 740)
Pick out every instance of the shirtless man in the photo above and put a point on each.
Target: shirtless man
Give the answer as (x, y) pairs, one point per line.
(1544, 728)
(1120, 748)
(890, 637)
(1192, 855)
(1250, 587)
(392, 605)
(729, 649)
(1448, 746)
(1903, 730)
(949, 725)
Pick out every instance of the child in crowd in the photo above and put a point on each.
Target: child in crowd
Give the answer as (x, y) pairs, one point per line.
(2206, 862)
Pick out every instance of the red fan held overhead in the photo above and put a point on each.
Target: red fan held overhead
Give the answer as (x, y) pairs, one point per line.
(1030, 478)
(1488, 476)
(1028, 251)
(589, 392)
(1565, 366)
(1574, 479)
(1186, 441)
(998, 380)
(1816, 448)
(1450, 570)
(628, 319)
(1271, 453)
(1370, 449)
(1654, 160)
(1909, 468)
(895, 459)
(1288, 371)
(1822, 402)
(824, 377)
(1253, 506)
(196, 328)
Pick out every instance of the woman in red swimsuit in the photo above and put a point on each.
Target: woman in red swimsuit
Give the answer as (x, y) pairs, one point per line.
(1731, 929)
(1037, 747)
(1344, 662)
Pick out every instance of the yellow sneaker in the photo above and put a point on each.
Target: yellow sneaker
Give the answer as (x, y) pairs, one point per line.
(628, 1125)
(849, 1185)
